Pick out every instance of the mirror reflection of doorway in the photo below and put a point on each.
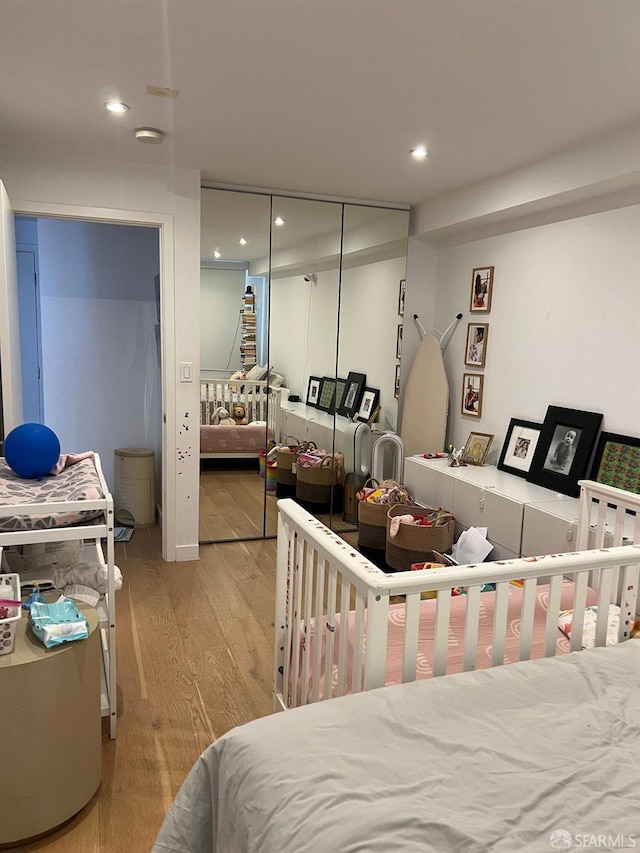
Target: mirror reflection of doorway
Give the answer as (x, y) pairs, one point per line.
(280, 278)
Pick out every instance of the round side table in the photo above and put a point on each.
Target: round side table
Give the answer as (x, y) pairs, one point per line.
(50, 731)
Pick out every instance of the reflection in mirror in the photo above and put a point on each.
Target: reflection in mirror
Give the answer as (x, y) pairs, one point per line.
(302, 324)
(305, 283)
(233, 347)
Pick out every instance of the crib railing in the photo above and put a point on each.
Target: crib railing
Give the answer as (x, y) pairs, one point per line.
(322, 584)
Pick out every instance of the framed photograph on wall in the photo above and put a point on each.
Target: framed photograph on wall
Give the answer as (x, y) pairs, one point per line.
(481, 290)
(617, 462)
(472, 391)
(396, 384)
(327, 397)
(368, 404)
(313, 391)
(399, 342)
(564, 449)
(475, 353)
(341, 384)
(401, 293)
(352, 394)
(519, 447)
(477, 447)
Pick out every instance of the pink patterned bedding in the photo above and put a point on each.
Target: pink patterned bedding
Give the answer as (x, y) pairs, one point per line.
(77, 482)
(225, 438)
(395, 642)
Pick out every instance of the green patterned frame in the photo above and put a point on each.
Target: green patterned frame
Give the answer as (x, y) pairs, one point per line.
(617, 462)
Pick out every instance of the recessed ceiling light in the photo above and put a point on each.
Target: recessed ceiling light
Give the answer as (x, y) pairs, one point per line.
(149, 134)
(216, 254)
(278, 220)
(242, 241)
(116, 107)
(419, 152)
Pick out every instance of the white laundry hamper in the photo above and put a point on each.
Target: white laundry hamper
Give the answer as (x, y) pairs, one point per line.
(135, 504)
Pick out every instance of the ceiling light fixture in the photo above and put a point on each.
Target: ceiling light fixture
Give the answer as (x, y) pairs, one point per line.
(149, 134)
(242, 241)
(419, 152)
(116, 107)
(216, 254)
(278, 221)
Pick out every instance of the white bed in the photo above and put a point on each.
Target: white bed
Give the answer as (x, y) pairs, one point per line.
(507, 759)
(74, 505)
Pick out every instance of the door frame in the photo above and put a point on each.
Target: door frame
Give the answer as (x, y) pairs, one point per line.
(164, 222)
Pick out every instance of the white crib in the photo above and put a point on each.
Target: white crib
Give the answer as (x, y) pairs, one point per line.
(324, 585)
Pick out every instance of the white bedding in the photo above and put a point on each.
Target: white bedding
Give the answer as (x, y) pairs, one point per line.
(494, 760)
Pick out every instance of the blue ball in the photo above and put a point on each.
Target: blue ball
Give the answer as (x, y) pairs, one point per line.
(31, 450)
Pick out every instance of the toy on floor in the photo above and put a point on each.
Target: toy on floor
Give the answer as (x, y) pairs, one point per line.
(239, 414)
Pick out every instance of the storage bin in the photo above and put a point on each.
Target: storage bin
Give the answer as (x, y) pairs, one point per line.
(372, 519)
(321, 485)
(414, 542)
(134, 497)
(9, 589)
(286, 459)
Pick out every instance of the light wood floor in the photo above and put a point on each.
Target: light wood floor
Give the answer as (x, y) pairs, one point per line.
(195, 644)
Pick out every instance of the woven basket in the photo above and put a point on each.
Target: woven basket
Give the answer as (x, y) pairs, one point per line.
(413, 542)
(372, 521)
(286, 458)
(321, 484)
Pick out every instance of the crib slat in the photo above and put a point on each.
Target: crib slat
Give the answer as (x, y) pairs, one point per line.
(441, 633)
(320, 629)
(411, 626)
(527, 615)
(601, 524)
(604, 597)
(330, 630)
(358, 639)
(308, 587)
(471, 619)
(628, 600)
(289, 686)
(375, 651)
(580, 586)
(499, 623)
(345, 588)
(298, 576)
(551, 626)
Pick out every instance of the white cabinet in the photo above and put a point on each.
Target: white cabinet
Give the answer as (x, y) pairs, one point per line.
(521, 518)
(308, 424)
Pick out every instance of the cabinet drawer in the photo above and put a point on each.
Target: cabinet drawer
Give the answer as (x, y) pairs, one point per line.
(428, 486)
(474, 506)
(545, 533)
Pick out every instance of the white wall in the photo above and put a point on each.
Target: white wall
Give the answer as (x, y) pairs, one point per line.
(38, 182)
(221, 293)
(98, 316)
(564, 324)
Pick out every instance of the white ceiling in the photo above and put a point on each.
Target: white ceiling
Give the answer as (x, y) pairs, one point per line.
(321, 96)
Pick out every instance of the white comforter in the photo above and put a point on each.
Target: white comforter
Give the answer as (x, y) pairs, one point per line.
(497, 760)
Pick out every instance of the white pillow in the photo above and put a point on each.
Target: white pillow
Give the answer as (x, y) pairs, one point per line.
(276, 380)
(257, 373)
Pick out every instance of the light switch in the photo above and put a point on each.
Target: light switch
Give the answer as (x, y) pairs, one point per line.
(186, 371)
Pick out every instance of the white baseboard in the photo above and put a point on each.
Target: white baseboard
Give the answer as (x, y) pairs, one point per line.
(187, 552)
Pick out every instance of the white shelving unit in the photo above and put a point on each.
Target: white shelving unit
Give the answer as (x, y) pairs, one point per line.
(91, 535)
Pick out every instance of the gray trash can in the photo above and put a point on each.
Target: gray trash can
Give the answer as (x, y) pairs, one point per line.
(134, 499)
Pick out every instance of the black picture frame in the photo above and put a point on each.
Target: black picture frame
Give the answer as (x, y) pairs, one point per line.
(352, 394)
(616, 461)
(369, 402)
(519, 447)
(327, 396)
(564, 450)
(313, 391)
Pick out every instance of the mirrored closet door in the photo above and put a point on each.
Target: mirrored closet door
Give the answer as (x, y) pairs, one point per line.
(300, 298)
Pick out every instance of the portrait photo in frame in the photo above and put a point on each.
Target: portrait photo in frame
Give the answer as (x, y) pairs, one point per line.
(368, 404)
(401, 294)
(475, 353)
(481, 290)
(399, 342)
(617, 462)
(396, 384)
(564, 449)
(472, 392)
(352, 394)
(519, 447)
(477, 447)
(313, 391)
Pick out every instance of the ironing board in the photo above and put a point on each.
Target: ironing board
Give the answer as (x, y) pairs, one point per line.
(425, 401)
